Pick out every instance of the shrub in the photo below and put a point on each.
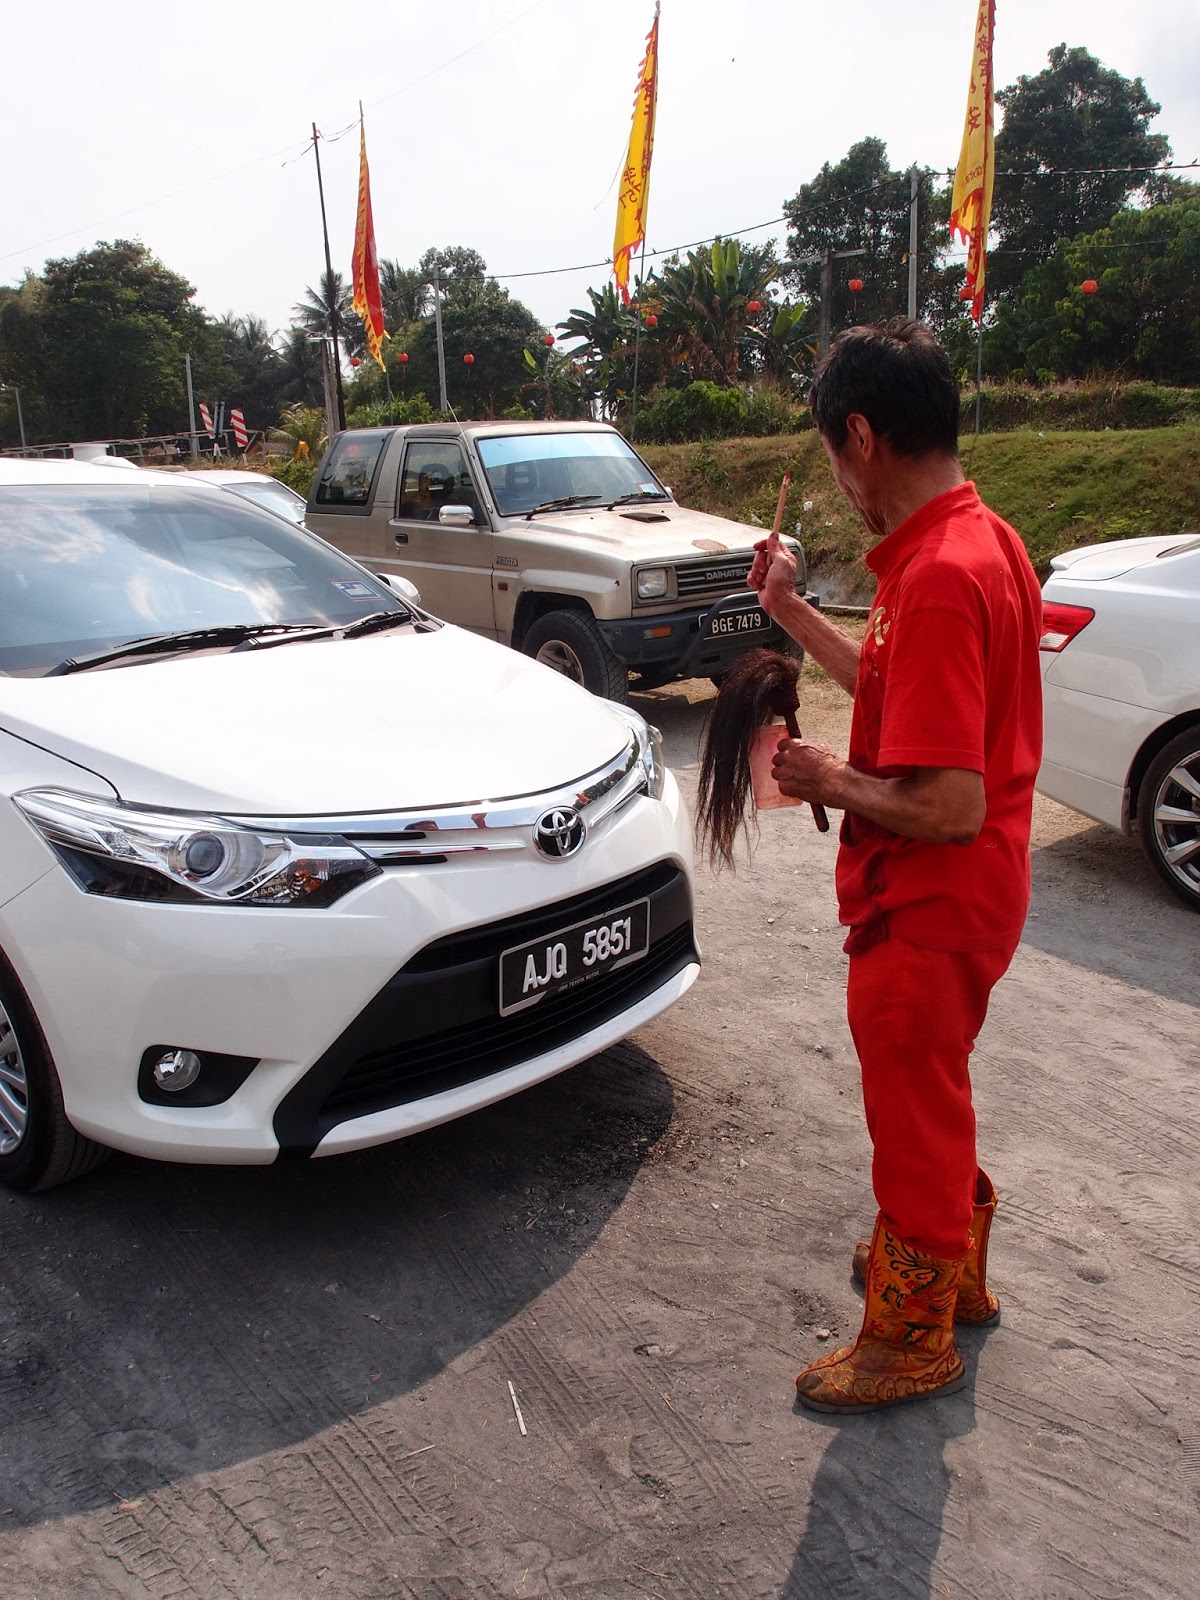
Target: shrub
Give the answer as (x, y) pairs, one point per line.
(704, 410)
(384, 413)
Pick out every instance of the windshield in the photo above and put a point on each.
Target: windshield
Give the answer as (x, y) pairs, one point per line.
(276, 497)
(85, 568)
(527, 470)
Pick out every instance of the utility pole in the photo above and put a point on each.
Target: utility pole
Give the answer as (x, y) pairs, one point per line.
(912, 246)
(331, 309)
(826, 257)
(441, 349)
(191, 410)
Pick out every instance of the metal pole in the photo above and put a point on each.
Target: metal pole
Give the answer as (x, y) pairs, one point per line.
(191, 411)
(441, 349)
(637, 340)
(20, 416)
(331, 309)
(979, 370)
(826, 303)
(329, 387)
(912, 248)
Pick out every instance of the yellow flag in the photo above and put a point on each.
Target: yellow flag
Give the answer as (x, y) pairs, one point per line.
(635, 176)
(971, 206)
(367, 301)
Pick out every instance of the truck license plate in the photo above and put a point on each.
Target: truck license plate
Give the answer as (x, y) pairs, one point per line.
(725, 624)
(574, 956)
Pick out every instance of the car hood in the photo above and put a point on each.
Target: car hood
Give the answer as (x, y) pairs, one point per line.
(382, 723)
(648, 532)
(1096, 562)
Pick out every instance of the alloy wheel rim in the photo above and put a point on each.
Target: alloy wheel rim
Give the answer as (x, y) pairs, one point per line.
(1177, 821)
(559, 656)
(14, 1088)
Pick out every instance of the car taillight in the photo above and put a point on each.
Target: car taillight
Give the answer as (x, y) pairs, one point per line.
(1060, 624)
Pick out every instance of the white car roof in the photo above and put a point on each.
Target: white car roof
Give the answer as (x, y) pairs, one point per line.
(17, 470)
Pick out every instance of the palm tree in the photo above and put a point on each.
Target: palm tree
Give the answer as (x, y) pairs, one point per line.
(327, 310)
(405, 294)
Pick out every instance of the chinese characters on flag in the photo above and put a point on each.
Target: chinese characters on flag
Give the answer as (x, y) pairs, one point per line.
(367, 302)
(971, 206)
(635, 176)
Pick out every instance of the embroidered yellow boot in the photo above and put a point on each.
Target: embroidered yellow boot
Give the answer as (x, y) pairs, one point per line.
(976, 1305)
(906, 1348)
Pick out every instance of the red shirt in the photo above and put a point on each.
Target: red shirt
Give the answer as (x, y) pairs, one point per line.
(949, 677)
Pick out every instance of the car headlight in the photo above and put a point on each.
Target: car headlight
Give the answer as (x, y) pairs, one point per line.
(652, 583)
(114, 849)
(650, 749)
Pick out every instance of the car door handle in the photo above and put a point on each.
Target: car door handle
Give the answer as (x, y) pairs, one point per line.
(400, 538)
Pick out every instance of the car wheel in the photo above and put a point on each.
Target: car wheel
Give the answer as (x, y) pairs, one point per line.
(38, 1146)
(1169, 815)
(570, 642)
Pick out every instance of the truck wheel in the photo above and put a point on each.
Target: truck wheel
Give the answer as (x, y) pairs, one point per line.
(1169, 815)
(571, 643)
(38, 1146)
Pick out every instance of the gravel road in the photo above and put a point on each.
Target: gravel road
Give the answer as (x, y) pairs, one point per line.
(285, 1383)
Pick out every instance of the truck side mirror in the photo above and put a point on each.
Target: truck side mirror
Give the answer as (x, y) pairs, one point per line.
(457, 516)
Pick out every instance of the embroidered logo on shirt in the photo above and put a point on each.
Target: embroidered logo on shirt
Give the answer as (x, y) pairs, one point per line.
(878, 626)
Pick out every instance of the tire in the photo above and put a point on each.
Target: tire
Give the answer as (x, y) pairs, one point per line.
(1168, 814)
(38, 1146)
(570, 642)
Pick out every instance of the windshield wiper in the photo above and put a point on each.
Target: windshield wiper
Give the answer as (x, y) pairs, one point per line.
(638, 494)
(191, 639)
(374, 620)
(560, 504)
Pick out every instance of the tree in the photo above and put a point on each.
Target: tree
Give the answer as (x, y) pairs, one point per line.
(1074, 114)
(607, 328)
(1143, 319)
(328, 307)
(459, 267)
(703, 307)
(862, 203)
(404, 292)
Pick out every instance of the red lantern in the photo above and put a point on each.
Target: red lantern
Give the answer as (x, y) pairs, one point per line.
(548, 340)
(468, 359)
(1089, 286)
(402, 357)
(966, 292)
(855, 285)
(355, 362)
(652, 321)
(754, 307)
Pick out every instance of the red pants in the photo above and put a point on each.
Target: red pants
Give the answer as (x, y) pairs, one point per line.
(914, 1015)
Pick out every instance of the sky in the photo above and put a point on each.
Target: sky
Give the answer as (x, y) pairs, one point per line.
(498, 124)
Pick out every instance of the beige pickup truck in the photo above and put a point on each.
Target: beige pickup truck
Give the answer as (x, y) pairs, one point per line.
(553, 537)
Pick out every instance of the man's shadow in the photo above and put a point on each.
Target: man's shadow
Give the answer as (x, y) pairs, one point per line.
(879, 1498)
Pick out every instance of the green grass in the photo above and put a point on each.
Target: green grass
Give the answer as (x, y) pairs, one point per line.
(1059, 490)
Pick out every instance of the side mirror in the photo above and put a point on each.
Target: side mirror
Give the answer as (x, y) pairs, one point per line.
(457, 516)
(401, 586)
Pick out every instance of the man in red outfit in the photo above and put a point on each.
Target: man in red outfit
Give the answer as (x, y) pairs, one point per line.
(933, 868)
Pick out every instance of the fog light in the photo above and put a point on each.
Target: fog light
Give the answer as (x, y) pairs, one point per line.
(176, 1070)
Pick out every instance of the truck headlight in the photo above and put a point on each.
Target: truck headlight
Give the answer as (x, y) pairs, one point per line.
(653, 583)
(649, 747)
(132, 854)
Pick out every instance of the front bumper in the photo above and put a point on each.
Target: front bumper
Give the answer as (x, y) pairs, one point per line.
(366, 1021)
(680, 643)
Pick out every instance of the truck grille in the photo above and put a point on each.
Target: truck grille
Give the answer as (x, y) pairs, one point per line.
(701, 580)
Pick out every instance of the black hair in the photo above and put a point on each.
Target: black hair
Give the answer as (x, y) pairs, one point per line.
(896, 375)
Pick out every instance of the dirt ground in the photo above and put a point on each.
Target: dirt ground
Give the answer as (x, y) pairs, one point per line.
(295, 1382)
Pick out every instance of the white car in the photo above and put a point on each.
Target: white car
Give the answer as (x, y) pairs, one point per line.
(259, 488)
(1121, 679)
(286, 865)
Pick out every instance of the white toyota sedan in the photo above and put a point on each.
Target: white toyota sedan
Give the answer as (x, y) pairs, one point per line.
(287, 865)
(1121, 653)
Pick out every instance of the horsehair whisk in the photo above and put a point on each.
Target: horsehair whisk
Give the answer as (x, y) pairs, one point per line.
(760, 686)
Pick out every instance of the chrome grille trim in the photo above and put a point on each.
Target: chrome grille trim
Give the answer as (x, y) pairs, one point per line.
(399, 837)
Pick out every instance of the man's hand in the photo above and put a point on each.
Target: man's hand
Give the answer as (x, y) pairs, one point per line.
(773, 575)
(809, 772)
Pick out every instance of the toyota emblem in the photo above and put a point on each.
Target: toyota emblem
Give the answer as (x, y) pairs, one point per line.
(559, 832)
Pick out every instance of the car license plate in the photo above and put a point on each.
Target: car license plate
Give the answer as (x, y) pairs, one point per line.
(728, 624)
(571, 957)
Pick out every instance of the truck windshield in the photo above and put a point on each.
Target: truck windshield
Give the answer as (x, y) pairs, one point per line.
(530, 469)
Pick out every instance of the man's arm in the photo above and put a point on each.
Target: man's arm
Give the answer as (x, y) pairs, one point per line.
(938, 805)
(774, 576)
